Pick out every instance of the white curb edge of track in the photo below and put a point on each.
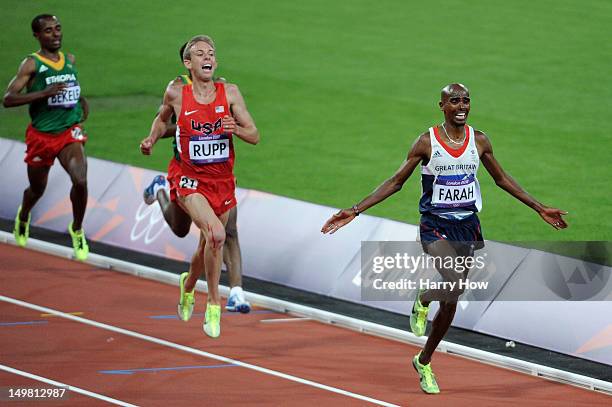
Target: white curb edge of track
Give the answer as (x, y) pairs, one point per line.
(329, 318)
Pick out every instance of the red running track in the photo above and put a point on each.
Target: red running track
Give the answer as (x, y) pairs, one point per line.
(146, 373)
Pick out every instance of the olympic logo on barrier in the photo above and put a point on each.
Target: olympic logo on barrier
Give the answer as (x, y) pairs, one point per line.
(149, 223)
(579, 280)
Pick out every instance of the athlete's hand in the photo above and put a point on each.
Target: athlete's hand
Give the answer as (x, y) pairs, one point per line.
(554, 217)
(146, 146)
(229, 124)
(338, 220)
(54, 89)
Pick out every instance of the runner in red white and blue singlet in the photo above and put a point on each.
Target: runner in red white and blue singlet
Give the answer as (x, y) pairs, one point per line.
(204, 148)
(450, 187)
(205, 152)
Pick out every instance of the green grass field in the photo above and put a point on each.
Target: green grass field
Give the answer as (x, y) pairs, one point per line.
(339, 90)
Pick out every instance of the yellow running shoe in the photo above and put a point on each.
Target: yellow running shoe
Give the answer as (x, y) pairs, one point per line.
(186, 300)
(79, 243)
(418, 317)
(22, 229)
(428, 379)
(212, 320)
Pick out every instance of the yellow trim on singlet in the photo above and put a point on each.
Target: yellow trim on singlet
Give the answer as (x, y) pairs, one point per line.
(58, 66)
(186, 79)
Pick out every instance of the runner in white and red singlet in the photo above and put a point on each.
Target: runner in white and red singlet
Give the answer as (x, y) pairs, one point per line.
(449, 155)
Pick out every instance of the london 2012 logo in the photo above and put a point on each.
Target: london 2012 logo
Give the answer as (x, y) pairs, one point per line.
(149, 223)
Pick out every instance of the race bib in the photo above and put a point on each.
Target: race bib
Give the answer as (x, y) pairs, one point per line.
(68, 98)
(209, 149)
(451, 191)
(77, 133)
(188, 183)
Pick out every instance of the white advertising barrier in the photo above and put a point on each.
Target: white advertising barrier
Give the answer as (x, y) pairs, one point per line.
(282, 243)
(348, 287)
(5, 147)
(579, 328)
(502, 261)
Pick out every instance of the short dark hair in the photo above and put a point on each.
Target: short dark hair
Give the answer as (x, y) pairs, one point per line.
(181, 51)
(37, 21)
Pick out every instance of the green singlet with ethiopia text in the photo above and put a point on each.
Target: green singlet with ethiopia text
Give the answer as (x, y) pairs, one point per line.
(55, 113)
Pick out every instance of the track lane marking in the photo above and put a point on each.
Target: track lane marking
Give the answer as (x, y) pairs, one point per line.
(162, 369)
(194, 351)
(71, 313)
(18, 323)
(69, 387)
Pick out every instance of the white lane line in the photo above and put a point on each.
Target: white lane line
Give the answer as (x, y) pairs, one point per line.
(194, 351)
(67, 386)
(271, 320)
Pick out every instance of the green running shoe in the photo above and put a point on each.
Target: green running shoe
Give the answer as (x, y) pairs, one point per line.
(418, 317)
(186, 301)
(22, 229)
(79, 243)
(426, 376)
(212, 321)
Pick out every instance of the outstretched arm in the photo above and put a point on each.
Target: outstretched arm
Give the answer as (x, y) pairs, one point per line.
(13, 96)
(240, 122)
(420, 151)
(552, 216)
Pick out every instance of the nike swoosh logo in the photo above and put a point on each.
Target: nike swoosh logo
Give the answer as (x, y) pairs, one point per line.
(192, 112)
(228, 202)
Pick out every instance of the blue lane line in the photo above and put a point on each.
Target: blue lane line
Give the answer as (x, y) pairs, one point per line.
(227, 313)
(160, 369)
(23, 323)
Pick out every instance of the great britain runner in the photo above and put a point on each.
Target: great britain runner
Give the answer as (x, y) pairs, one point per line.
(449, 154)
(451, 192)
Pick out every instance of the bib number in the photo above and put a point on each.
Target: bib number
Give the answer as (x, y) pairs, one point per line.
(188, 183)
(209, 149)
(454, 192)
(66, 99)
(77, 133)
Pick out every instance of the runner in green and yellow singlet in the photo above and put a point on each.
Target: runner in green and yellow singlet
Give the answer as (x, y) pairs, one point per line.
(57, 110)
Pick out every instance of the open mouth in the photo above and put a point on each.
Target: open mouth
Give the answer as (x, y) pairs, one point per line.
(207, 67)
(461, 116)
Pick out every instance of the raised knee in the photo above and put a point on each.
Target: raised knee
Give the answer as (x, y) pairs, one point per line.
(216, 235)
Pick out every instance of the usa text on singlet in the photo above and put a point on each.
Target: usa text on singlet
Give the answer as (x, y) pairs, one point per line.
(203, 146)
